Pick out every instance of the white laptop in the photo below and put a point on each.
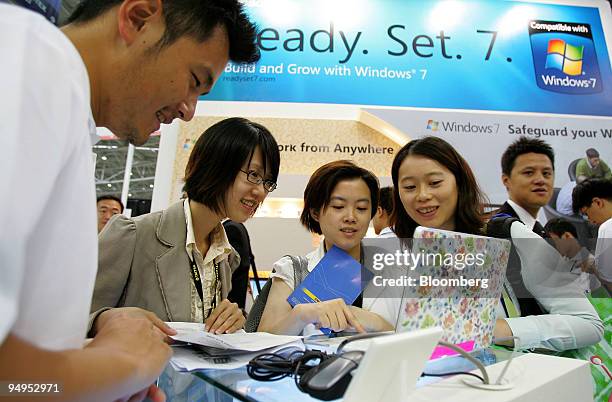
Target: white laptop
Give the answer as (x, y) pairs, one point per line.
(386, 375)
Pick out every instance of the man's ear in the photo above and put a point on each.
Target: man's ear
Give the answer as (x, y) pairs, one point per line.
(567, 235)
(134, 15)
(505, 178)
(380, 212)
(598, 202)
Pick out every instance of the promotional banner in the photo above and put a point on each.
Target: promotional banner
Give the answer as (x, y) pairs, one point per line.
(482, 55)
(481, 138)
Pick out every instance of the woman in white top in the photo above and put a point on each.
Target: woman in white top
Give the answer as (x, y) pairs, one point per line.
(339, 202)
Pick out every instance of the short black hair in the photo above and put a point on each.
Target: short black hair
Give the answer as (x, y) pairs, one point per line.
(385, 199)
(218, 156)
(592, 153)
(322, 183)
(559, 226)
(525, 145)
(111, 197)
(195, 18)
(583, 193)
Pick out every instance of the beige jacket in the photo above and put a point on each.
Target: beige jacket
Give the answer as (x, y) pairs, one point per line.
(143, 263)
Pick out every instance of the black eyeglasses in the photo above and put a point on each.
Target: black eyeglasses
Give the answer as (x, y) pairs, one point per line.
(255, 178)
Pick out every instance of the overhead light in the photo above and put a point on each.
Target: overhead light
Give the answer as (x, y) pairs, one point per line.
(446, 15)
(109, 185)
(515, 20)
(104, 158)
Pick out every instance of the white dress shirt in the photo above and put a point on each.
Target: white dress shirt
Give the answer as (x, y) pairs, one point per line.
(603, 250)
(571, 322)
(386, 233)
(48, 244)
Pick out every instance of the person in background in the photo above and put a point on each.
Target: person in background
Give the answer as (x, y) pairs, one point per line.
(107, 205)
(565, 239)
(340, 199)
(383, 213)
(568, 320)
(238, 237)
(592, 167)
(129, 66)
(593, 198)
(528, 175)
(178, 263)
(564, 198)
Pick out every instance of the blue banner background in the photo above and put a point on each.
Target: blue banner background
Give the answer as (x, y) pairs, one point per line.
(505, 82)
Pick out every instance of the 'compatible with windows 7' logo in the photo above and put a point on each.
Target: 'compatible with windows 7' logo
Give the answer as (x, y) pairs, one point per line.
(564, 57)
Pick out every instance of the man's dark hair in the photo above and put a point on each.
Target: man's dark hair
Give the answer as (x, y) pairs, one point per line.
(559, 226)
(525, 145)
(583, 193)
(322, 183)
(110, 197)
(195, 18)
(218, 156)
(592, 153)
(385, 199)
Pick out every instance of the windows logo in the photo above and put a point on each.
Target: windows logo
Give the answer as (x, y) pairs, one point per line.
(432, 125)
(564, 57)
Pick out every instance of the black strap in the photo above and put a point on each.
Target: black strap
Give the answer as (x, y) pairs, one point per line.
(197, 281)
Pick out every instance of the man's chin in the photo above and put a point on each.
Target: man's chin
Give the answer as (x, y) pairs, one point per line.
(137, 139)
(132, 135)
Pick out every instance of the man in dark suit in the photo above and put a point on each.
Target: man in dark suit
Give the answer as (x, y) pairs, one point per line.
(565, 321)
(528, 174)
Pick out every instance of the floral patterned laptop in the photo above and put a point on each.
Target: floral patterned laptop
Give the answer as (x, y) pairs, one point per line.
(466, 311)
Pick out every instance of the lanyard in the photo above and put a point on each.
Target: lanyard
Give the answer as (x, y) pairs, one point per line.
(197, 281)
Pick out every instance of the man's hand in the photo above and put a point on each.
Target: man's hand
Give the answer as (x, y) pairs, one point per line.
(502, 333)
(227, 318)
(133, 312)
(139, 345)
(589, 266)
(152, 392)
(332, 314)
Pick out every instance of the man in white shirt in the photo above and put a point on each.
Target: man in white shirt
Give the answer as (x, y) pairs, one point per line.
(557, 323)
(564, 237)
(564, 198)
(593, 198)
(383, 212)
(128, 65)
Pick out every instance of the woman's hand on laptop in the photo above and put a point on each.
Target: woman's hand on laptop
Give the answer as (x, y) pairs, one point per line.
(332, 314)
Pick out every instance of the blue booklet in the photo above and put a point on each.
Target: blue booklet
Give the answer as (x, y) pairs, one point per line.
(337, 275)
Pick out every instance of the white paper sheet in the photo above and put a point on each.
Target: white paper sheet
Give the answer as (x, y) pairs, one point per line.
(189, 359)
(248, 342)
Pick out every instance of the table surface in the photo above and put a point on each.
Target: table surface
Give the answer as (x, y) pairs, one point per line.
(229, 385)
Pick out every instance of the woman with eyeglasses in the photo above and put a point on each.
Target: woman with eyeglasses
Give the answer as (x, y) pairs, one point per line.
(177, 264)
